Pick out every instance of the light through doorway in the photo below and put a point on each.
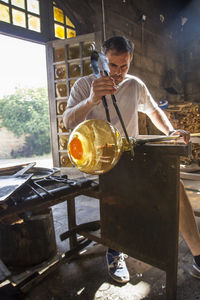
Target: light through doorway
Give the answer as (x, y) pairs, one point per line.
(24, 112)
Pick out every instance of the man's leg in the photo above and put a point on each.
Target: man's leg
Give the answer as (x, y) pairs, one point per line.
(189, 229)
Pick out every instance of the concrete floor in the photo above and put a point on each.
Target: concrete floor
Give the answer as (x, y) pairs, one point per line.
(86, 276)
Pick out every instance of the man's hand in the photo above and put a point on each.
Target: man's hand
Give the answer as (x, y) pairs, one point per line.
(183, 133)
(102, 86)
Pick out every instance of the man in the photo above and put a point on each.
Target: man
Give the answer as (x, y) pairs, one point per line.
(85, 102)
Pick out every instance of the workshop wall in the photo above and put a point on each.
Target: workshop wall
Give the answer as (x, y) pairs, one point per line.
(166, 38)
(148, 26)
(189, 47)
(152, 25)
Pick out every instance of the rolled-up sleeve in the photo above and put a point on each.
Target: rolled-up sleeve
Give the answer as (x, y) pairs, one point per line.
(146, 102)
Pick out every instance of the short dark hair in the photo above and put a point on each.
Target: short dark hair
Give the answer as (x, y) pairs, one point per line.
(119, 44)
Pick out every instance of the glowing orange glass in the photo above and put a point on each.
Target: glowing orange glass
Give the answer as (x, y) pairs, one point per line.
(76, 148)
(95, 146)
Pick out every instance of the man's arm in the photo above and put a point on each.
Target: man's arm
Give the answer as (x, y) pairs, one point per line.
(161, 121)
(78, 113)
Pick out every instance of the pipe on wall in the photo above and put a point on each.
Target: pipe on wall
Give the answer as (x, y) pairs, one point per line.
(103, 20)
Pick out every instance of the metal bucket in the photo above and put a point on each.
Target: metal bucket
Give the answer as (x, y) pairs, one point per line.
(29, 243)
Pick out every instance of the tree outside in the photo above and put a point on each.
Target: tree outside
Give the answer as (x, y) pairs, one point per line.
(26, 113)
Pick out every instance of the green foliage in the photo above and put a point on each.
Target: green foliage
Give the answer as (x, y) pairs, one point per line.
(26, 113)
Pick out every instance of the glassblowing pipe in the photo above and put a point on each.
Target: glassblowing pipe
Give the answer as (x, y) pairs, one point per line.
(99, 62)
(95, 146)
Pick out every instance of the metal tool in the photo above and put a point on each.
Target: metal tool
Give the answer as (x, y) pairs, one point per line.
(99, 64)
(9, 184)
(161, 138)
(96, 70)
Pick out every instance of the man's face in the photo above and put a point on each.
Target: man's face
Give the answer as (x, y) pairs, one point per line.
(118, 64)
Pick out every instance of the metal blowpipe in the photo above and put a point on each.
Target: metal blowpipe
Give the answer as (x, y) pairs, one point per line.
(162, 138)
(99, 64)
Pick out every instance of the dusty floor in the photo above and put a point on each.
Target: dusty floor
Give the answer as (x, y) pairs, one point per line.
(86, 276)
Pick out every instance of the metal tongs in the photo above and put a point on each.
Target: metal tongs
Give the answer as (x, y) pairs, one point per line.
(99, 64)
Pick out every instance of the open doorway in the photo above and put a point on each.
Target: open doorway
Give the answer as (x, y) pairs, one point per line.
(24, 112)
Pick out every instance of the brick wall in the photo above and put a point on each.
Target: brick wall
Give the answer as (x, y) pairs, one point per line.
(155, 38)
(162, 42)
(155, 45)
(188, 47)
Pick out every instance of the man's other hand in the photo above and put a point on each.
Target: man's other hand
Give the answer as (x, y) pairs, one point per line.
(183, 133)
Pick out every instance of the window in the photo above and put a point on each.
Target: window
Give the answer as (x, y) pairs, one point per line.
(63, 27)
(35, 20)
(22, 13)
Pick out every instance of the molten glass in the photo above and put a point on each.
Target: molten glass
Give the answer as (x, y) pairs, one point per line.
(95, 146)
